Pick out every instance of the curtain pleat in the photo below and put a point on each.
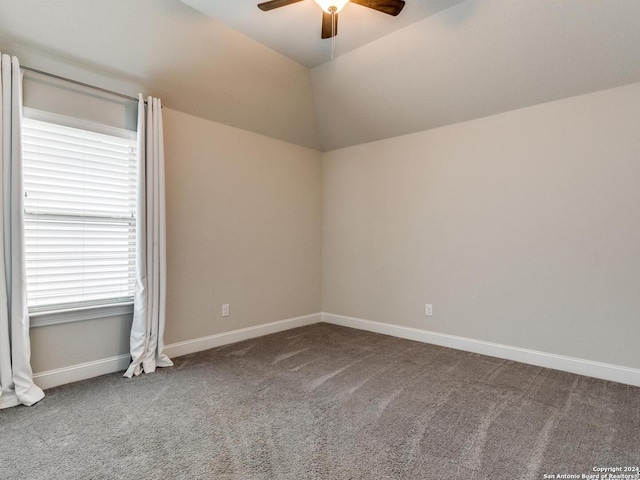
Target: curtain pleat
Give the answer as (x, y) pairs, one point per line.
(16, 375)
(147, 330)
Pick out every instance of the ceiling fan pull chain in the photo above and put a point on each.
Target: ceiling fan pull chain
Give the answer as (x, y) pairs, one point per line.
(333, 32)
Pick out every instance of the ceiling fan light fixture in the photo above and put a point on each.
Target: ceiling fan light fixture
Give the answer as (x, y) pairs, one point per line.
(331, 6)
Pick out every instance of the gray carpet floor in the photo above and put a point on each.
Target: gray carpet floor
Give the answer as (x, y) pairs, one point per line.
(326, 402)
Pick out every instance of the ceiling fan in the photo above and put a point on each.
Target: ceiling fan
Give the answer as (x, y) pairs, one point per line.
(331, 8)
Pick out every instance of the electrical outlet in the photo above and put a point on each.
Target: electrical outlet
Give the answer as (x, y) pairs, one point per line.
(225, 310)
(428, 310)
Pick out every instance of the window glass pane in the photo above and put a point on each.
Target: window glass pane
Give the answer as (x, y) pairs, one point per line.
(80, 198)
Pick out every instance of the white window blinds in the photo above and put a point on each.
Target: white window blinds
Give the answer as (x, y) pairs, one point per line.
(80, 199)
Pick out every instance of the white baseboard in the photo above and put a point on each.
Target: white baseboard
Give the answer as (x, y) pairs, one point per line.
(225, 338)
(82, 371)
(615, 373)
(605, 371)
(74, 373)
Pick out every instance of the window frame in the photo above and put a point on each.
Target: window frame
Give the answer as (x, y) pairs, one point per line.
(41, 315)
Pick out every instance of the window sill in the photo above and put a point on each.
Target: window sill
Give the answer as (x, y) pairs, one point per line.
(45, 319)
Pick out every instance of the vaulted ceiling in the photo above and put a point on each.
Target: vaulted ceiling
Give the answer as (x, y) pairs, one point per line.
(294, 31)
(445, 61)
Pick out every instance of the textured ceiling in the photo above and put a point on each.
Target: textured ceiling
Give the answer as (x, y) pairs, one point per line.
(473, 59)
(294, 30)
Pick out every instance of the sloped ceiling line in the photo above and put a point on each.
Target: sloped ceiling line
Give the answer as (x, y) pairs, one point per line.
(451, 61)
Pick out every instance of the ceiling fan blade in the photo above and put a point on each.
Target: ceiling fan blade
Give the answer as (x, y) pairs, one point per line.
(390, 7)
(329, 30)
(276, 4)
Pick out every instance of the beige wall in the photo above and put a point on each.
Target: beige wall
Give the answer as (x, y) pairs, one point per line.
(68, 344)
(521, 228)
(243, 227)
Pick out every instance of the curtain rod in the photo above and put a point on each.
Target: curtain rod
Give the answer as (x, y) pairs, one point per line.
(82, 84)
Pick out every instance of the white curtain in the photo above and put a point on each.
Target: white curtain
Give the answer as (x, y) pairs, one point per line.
(147, 330)
(16, 376)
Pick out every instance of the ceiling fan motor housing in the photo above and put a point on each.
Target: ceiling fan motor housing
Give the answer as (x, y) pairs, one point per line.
(332, 7)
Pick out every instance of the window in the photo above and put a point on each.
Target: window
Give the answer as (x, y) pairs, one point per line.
(80, 199)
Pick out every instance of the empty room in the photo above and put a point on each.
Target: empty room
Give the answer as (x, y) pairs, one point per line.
(320, 239)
